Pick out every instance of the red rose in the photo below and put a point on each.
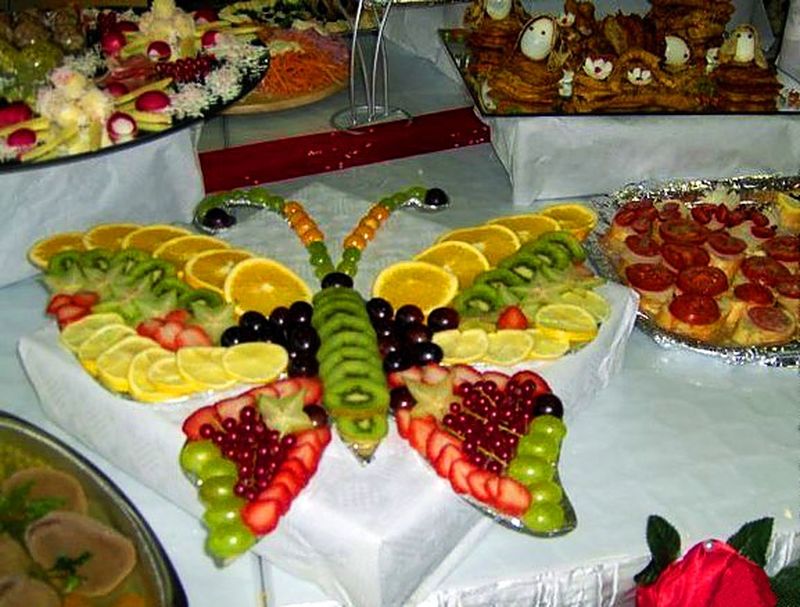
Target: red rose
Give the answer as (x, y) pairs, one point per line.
(712, 574)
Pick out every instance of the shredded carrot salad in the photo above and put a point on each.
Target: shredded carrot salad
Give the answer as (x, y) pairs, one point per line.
(308, 62)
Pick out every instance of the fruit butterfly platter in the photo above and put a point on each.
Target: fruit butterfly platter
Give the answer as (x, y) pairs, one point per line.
(118, 77)
(445, 345)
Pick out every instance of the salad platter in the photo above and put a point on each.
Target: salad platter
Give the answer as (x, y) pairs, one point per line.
(715, 263)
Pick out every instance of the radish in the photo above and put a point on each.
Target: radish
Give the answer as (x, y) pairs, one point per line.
(21, 138)
(159, 51)
(152, 101)
(112, 43)
(205, 15)
(121, 127)
(14, 113)
(127, 26)
(117, 89)
(210, 38)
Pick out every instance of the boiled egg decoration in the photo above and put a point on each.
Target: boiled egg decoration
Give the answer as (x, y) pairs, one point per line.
(677, 52)
(538, 38)
(743, 46)
(498, 9)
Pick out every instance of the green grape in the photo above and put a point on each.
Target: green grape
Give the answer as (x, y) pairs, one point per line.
(219, 466)
(223, 511)
(348, 267)
(417, 192)
(229, 540)
(399, 199)
(546, 491)
(540, 445)
(217, 488)
(529, 469)
(319, 259)
(544, 517)
(259, 196)
(276, 204)
(351, 254)
(318, 246)
(549, 425)
(196, 454)
(322, 271)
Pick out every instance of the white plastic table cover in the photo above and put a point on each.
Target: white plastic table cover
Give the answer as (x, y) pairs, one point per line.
(158, 179)
(367, 535)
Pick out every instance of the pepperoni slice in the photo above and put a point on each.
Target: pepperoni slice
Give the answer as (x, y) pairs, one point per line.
(758, 218)
(703, 213)
(642, 244)
(770, 318)
(669, 210)
(763, 231)
(721, 213)
(783, 248)
(703, 280)
(625, 217)
(642, 225)
(790, 287)
(754, 293)
(649, 276)
(765, 271)
(682, 256)
(683, 231)
(725, 244)
(735, 217)
(695, 309)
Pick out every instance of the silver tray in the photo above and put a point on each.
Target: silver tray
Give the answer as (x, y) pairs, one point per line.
(782, 355)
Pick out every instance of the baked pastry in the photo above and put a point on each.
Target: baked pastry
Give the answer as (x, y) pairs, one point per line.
(494, 28)
(701, 23)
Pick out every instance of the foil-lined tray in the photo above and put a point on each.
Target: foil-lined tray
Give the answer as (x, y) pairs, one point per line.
(781, 355)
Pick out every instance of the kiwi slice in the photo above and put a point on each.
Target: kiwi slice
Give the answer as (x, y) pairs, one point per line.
(344, 322)
(522, 265)
(153, 270)
(356, 397)
(211, 298)
(355, 369)
(343, 355)
(171, 284)
(361, 429)
(126, 260)
(557, 254)
(96, 259)
(499, 276)
(476, 300)
(325, 311)
(61, 263)
(336, 293)
(566, 240)
(357, 339)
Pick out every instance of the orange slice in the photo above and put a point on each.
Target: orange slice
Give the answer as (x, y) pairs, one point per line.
(149, 238)
(527, 227)
(181, 249)
(209, 269)
(572, 217)
(496, 242)
(42, 250)
(263, 284)
(459, 258)
(108, 235)
(416, 282)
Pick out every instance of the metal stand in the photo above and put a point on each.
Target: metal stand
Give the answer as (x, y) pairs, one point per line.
(369, 109)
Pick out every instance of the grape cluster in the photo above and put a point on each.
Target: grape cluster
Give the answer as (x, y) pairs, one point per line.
(106, 22)
(189, 69)
(491, 421)
(404, 339)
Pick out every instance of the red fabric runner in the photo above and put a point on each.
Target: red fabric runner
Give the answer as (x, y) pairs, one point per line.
(269, 161)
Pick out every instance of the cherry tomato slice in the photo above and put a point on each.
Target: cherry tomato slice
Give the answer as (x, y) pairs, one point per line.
(722, 213)
(642, 244)
(682, 256)
(770, 318)
(783, 248)
(790, 287)
(763, 231)
(683, 231)
(695, 309)
(765, 271)
(725, 244)
(754, 293)
(735, 218)
(703, 213)
(703, 280)
(669, 210)
(642, 225)
(649, 276)
(625, 217)
(758, 218)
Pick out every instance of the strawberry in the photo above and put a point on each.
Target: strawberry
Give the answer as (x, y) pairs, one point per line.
(307, 455)
(85, 299)
(179, 315)
(447, 457)
(419, 431)
(313, 388)
(289, 480)
(521, 377)
(58, 300)
(501, 379)
(297, 468)
(149, 327)
(512, 317)
(265, 390)
(493, 489)
(477, 481)
(231, 407)
(192, 335)
(204, 415)
(324, 435)
(261, 516)
(402, 418)
(69, 313)
(278, 493)
(316, 438)
(433, 373)
(399, 378)
(459, 472)
(437, 441)
(464, 374)
(512, 497)
(286, 387)
(167, 335)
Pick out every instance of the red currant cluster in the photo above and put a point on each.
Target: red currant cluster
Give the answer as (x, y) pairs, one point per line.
(190, 69)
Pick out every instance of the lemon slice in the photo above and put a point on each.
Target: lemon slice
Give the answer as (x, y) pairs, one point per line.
(141, 388)
(572, 217)
(459, 258)
(547, 346)
(149, 238)
(100, 341)
(203, 365)
(180, 250)
(209, 269)
(166, 378)
(508, 347)
(108, 235)
(113, 364)
(496, 242)
(788, 212)
(462, 346)
(416, 282)
(527, 227)
(566, 321)
(78, 332)
(594, 303)
(255, 362)
(262, 285)
(42, 250)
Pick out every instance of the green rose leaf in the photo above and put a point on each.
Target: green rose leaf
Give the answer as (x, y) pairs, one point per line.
(786, 586)
(752, 540)
(665, 546)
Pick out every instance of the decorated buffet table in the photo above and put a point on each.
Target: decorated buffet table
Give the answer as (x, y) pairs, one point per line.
(391, 385)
